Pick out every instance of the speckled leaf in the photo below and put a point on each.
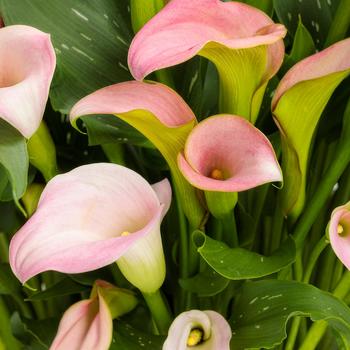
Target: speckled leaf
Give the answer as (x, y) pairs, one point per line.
(263, 308)
(14, 160)
(91, 40)
(109, 129)
(129, 338)
(205, 284)
(303, 46)
(316, 15)
(239, 263)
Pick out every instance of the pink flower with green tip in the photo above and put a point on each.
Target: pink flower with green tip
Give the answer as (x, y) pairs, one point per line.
(245, 45)
(88, 324)
(339, 233)
(195, 329)
(27, 65)
(91, 217)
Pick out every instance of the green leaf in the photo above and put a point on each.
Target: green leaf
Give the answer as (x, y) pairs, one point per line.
(14, 159)
(91, 40)
(8, 282)
(239, 263)
(303, 46)
(89, 278)
(205, 284)
(36, 334)
(64, 287)
(317, 16)
(129, 338)
(263, 308)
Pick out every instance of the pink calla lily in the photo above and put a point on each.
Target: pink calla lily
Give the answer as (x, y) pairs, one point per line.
(329, 61)
(238, 158)
(155, 98)
(27, 65)
(160, 114)
(205, 330)
(87, 324)
(339, 233)
(183, 28)
(89, 218)
(297, 106)
(243, 42)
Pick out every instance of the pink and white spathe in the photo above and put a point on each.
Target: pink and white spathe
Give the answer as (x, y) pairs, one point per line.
(205, 330)
(91, 217)
(339, 233)
(225, 153)
(183, 28)
(88, 324)
(331, 60)
(27, 65)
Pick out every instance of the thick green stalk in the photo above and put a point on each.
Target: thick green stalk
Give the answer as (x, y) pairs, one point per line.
(42, 152)
(331, 176)
(293, 333)
(316, 252)
(159, 311)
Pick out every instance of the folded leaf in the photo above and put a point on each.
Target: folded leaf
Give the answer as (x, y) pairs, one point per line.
(239, 263)
(262, 310)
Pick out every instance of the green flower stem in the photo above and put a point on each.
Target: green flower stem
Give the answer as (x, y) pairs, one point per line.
(293, 333)
(23, 306)
(258, 202)
(183, 254)
(337, 273)
(5, 329)
(159, 311)
(42, 152)
(277, 226)
(331, 176)
(325, 271)
(267, 233)
(38, 305)
(316, 252)
(318, 329)
(340, 23)
(114, 152)
(229, 227)
(4, 248)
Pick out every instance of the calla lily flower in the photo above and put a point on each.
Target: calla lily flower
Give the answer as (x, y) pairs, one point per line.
(27, 65)
(205, 330)
(245, 45)
(91, 217)
(339, 233)
(88, 323)
(238, 158)
(297, 106)
(160, 114)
